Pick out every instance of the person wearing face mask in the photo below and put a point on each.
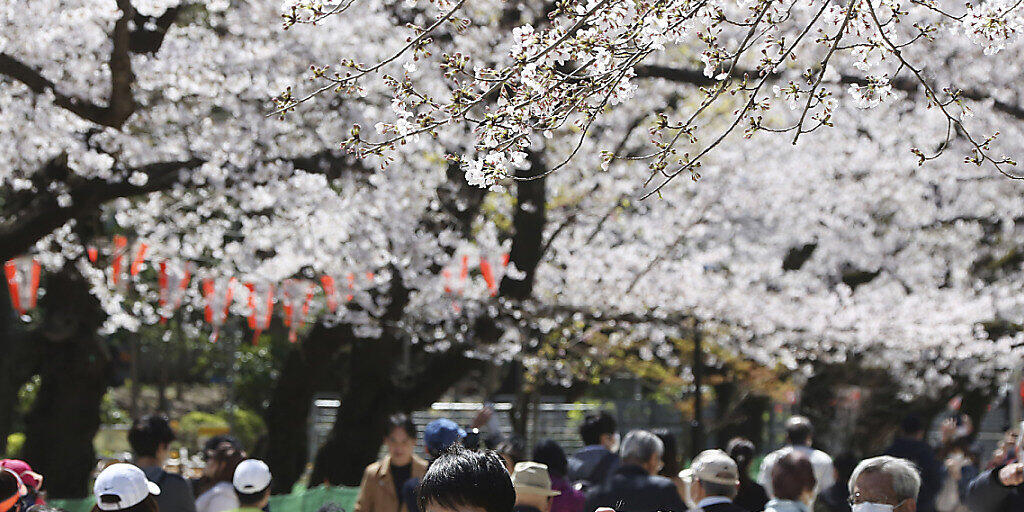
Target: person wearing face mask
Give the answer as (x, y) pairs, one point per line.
(711, 482)
(793, 481)
(635, 486)
(1000, 489)
(884, 484)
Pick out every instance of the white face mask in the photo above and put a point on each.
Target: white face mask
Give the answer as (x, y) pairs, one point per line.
(615, 443)
(867, 506)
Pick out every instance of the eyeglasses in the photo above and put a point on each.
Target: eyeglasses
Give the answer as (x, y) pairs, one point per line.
(859, 498)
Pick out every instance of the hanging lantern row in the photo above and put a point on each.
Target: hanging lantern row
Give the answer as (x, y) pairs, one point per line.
(173, 279)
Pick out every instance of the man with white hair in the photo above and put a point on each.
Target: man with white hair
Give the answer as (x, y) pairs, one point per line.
(884, 484)
(1000, 489)
(635, 485)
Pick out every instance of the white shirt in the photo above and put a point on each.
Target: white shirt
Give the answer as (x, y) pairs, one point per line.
(219, 498)
(824, 471)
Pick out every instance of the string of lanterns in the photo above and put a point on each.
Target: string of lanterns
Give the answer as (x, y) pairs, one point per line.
(174, 278)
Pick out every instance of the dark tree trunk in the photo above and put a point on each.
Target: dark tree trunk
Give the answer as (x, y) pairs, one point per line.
(376, 388)
(16, 367)
(307, 369)
(74, 372)
(528, 221)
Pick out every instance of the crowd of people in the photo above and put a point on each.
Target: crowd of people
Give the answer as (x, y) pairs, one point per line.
(640, 473)
(462, 471)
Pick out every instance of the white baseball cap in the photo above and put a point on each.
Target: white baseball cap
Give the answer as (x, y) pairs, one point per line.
(713, 466)
(125, 482)
(251, 476)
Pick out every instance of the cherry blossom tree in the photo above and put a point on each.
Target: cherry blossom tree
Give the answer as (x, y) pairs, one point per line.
(153, 119)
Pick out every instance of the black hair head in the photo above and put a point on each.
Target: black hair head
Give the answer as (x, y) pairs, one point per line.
(799, 430)
(147, 505)
(670, 452)
(514, 447)
(8, 484)
(594, 425)
(461, 479)
(742, 451)
(148, 433)
(253, 498)
(400, 421)
(549, 453)
(218, 442)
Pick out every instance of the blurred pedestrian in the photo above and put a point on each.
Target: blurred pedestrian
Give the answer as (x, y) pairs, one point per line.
(751, 496)
(124, 488)
(593, 464)
(670, 460)
(836, 498)
(1000, 489)
(150, 438)
(12, 490)
(635, 485)
(910, 444)
(33, 482)
(570, 499)
(252, 485)
(794, 483)
(439, 436)
(712, 482)
(461, 480)
(884, 483)
(512, 450)
(381, 488)
(799, 438)
(532, 484)
(961, 465)
(216, 493)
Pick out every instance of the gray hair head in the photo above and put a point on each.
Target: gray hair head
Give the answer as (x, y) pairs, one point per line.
(906, 481)
(639, 446)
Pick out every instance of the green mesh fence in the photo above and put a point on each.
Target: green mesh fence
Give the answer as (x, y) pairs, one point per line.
(305, 500)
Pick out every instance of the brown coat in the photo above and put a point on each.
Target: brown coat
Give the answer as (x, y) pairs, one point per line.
(377, 491)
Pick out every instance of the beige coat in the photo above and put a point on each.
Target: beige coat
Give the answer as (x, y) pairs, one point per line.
(377, 491)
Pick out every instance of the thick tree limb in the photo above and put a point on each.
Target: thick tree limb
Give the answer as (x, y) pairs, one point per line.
(696, 77)
(120, 102)
(42, 214)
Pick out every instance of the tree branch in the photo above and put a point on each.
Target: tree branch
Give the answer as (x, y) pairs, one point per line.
(696, 77)
(42, 214)
(120, 102)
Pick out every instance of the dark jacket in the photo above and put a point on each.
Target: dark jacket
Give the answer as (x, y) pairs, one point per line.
(724, 507)
(751, 496)
(592, 464)
(987, 494)
(833, 499)
(932, 471)
(175, 492)
(631, 489)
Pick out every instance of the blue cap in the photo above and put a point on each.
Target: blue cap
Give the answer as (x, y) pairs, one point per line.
(440, 434)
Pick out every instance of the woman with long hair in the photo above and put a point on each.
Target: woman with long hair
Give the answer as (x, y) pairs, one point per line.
(751, 495)
(216, 494)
